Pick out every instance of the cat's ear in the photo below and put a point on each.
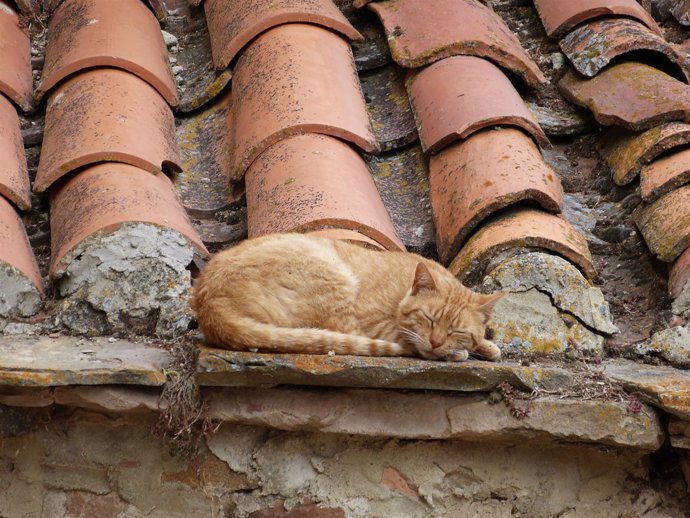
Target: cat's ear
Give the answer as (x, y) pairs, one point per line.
(486, 304)
(423, 281)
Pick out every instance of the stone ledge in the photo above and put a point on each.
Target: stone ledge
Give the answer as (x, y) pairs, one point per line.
(664, 387)
(43, 361)
(217, 367)
(381, 413)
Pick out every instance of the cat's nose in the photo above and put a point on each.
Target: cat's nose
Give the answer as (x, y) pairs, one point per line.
(435, 341)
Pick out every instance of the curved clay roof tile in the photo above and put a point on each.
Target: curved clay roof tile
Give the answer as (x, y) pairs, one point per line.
(309, 182)
(229, 34)
(456, 96)
(491, 170)
(92, 33)
(295, 79)
(15, 249)
(14, 175)
(104, 197)
(421, 32)
(15, 59)
(106, 114)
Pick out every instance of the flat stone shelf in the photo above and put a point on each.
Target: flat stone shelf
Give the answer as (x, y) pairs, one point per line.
(217, 367)
(42, 361)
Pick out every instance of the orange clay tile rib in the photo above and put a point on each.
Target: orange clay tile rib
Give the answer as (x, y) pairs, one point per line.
(665, 174)
(679, 274)
(665, 224)
(559, 16)
(456, 96)
(92, 33)
(592, 46)
(489, 171)
(106, 114)
(15, 249)
(351, 236)
(230, 34)
(15, 59)
(626, 152)
(293, 79)
(420, 33)
(309, 182)
(102, 198)
(522, 228)
(14, 176)
(620, 95)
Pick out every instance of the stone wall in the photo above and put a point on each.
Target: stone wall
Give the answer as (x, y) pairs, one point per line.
(76, 463)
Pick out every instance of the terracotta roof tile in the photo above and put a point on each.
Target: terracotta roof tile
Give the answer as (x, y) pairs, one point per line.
(522, 228)
(15, 59)
(14, 176)
(457, 96)
(561, 16)
(106, 114)
(489, 171)
(15, 249)
(420, 33)
(665, 174)
(293, 79)
(307, 182)
(91, 33)
(103, 197)
(351, 236)
(619, 95)
(626, 152)
(593, 45)
(665, 224)
(229, 34)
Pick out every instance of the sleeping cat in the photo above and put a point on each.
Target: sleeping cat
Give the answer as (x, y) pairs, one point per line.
(294, 293)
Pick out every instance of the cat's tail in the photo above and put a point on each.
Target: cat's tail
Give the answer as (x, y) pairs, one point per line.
(243, 334)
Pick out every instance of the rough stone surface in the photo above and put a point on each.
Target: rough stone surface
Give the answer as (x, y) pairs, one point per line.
(402, 178)
(47, 362)
(85, 465)
(227, 368)
(664, 387)
(679, 433)
(562, 120)
(388, 107)
(568, 289)
(18, 296)
(110, 398)
(529, 322)
(371, 52)
(427, 416)
(132, 281)
(673, 345)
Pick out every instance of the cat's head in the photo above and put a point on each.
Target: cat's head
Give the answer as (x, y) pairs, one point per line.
(442, 320)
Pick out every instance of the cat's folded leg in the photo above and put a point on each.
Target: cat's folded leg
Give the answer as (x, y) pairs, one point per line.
(487, 350)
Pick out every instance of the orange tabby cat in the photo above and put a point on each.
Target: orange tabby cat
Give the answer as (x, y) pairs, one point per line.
(294, 293)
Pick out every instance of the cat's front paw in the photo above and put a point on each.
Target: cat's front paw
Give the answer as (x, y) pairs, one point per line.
(457, 355)
(488, 351)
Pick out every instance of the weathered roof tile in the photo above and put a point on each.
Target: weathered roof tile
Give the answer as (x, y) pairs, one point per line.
(14, 176)
(593, 45)
(620, 95)
(420, 33)
(91, 33)
(626, 152)
(665, 174)
(103, 197)
(230, 34)
(489, 171)
(15, 249)
(294, 79)
(561, 16)
(15, 59)
(665, 224)
(307, 182)
(457, 96)
(106, 114)
(522, 228)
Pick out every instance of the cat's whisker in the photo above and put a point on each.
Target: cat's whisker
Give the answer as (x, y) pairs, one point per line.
(415, 337)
